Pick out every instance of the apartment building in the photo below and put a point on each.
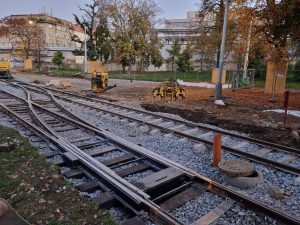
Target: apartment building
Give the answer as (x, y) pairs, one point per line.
(57, 34)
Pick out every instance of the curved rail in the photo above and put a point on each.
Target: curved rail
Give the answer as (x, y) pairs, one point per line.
(235, 151)
(95, 166)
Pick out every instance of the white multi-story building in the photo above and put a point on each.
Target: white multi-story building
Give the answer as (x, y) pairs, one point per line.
(184, 29)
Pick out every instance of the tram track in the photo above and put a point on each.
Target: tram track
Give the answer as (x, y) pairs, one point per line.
(183, 179)
(191, 132)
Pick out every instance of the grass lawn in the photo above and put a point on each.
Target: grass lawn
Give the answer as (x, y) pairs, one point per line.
(162, 76)
(66, 72)
(189, 77)
(291, 83)
(38, 192)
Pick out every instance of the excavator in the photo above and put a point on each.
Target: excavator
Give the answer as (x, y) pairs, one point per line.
(5, 69)
(169, 89)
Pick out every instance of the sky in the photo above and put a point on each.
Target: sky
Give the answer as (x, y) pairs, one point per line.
(64, 9)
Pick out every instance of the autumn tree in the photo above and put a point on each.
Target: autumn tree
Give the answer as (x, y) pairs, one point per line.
(278, 22)
(25, 34)
(134, 33)
(209, 31)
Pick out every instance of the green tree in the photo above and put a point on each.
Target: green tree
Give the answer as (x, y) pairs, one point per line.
(156, 58)
(58, 58)
(297, 71)
(103, 40)
(184, 62)
(278, 23)
(174, 52)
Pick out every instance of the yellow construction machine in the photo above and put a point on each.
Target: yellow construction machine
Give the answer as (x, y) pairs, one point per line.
(100, 82)
(5, 69)
(169, 89)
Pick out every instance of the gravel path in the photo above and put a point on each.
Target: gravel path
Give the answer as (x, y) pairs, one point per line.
(197, 158)
(188, 154)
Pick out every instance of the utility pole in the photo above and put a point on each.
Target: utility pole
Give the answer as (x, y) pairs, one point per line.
(39, 51)
(218, 89)
(85, 51)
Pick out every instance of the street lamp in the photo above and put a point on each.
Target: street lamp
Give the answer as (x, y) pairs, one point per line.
(218, 89)
(38, 49)
(85, 50)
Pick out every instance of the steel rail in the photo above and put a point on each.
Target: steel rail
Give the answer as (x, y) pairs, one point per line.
(240, 153)
(213, 186)
(274, 146)
(138, 196)
(72, 146)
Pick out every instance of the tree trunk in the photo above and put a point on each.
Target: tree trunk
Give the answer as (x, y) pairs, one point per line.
(124, 69)
(201, 65)
(129, 68)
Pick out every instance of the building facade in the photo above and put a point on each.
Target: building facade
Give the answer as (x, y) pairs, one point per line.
(184, 29)
(57, 34)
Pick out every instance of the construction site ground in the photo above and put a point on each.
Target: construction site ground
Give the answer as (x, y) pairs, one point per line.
(243, 110)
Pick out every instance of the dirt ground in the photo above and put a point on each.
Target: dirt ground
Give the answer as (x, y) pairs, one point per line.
(243, 110)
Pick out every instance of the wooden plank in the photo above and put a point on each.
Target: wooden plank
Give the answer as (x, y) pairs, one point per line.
(80, 139)
(65, 129)
(117, 160)
(89, 187)
(132, 170)
(133, 221)
(105, 200)
(262, 151)
(71, 157)
(287, 159)
(213, 215)
(91, 145)
(102, 151)
(76, 173)
(179, 199)
(159, 178)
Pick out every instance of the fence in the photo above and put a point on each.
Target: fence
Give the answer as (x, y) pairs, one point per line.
(240, 78)
(191, 76)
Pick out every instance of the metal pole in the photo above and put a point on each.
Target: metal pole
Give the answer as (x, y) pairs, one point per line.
(14, 55)
(218, 90)
(85, 51)
(39, 56)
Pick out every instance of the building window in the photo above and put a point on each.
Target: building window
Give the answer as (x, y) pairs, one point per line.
(50, 26)
(182, 41)
(58, 27)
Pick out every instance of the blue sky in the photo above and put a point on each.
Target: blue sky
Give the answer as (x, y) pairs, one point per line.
(65, 8)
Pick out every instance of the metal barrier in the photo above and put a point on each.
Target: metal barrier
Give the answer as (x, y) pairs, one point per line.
(240, 78)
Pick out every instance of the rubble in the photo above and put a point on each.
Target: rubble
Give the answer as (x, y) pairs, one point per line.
(59, 84)
(276, 192)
